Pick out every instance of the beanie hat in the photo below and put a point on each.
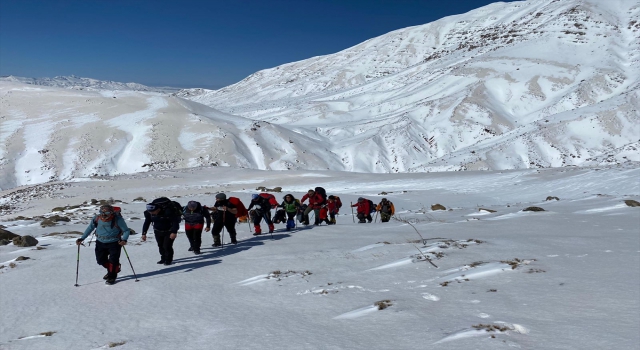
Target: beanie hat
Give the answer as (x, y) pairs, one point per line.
(254, 196)
(360, 199)
(192, 205)
(221, 196)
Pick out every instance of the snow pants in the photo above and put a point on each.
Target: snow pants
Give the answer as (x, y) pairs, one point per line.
(165, 245)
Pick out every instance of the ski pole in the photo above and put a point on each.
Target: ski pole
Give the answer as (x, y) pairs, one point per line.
(352, 215)
(77, 266)
(130, 264)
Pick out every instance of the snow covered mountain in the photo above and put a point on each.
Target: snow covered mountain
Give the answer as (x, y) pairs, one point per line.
(539, 83)
(78, 83)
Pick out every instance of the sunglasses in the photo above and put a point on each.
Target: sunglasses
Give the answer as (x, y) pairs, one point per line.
(106, 213)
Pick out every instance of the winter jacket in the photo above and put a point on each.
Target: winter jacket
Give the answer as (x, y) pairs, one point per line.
(105, 233)
(315, 201)
(386, 208)
(290, 207)
(332, 206)
(363, 207)
(164, 222)
(261, 204)
(197, 216)
(220, 214)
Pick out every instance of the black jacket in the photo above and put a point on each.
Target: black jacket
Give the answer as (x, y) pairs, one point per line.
(197, 216)
(163, 222)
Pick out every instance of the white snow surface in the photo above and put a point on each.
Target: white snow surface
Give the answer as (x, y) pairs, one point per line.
(531, 84)
(565, 278)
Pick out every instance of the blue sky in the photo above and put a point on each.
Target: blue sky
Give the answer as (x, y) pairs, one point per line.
(192, 43)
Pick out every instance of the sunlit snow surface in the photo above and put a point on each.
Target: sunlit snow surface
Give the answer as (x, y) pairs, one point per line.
(565, 278)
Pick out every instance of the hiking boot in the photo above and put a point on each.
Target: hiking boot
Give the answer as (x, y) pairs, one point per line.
(257, 234)
(160, 262)
(196, 252)
(167, 263)
(270, 231)
(190, 249)
(217, 244)
(105, 277)
(110, 281)
(362, 222)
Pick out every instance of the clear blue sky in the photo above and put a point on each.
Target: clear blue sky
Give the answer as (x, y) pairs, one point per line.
(192, 43)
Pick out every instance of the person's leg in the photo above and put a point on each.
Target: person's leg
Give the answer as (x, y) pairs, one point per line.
(361, 217)
(102, 257)
(231, 228)
(115, 250)
(160, 237)
(168, 250)
(256, 223)
(197, 239)
(215, 231)
(291, 223)
(305, 216)
(189, 230)
(369, 218)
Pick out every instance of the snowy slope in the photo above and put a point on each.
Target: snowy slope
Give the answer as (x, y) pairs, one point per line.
(49, 134)
(540, 83)
(79, 83)
(565, 278)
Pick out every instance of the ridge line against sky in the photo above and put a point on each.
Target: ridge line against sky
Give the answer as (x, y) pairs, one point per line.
(193, 43)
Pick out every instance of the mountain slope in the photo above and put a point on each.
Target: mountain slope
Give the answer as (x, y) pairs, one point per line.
(59, 134)
(527, 84)
(78, 83)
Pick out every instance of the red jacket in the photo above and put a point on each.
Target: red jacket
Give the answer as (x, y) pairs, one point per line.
(332, 207)
(314, 201)
(363, 207)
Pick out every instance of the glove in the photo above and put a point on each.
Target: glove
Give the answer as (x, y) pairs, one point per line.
(78, 241)
(258, 207)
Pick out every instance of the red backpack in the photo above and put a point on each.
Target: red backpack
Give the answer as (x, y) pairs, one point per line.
(242, 210)
(272, 199)
(338, 202)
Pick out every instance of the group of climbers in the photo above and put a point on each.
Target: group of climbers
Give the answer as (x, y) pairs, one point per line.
(165, 215)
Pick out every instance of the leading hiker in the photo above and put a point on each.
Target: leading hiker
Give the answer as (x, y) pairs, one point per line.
(165, 216)
(111, 234)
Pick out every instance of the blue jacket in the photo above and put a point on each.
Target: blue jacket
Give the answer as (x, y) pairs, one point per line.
(105, 233)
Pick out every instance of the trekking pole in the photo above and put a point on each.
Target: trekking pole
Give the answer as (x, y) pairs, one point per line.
(267, 222)
(352, 215)
(130, 264)
(77, 266)
(91, 239)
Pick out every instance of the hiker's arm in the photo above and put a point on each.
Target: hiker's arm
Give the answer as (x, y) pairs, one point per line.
(207, 217)
(124, 228)
(88, 230)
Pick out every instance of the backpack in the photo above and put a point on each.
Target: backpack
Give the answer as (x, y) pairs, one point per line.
(242, 210)
(272, 199)
(116, 212)
(338, 202)
(322, 193)
(372, 207)
(280, 217)
(173, 208)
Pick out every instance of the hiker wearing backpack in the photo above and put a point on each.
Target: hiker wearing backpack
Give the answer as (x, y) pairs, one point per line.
(165, 215)
(194, 217)
(386, 209)
(364, 210)
(111, 234)
(262, 210)
(315, 202)
(224, 216)
(333, 205)
(290, 206)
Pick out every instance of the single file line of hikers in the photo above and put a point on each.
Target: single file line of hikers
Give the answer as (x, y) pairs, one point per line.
(165, 215)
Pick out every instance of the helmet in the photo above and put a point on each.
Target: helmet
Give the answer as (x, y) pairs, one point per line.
(221, 196)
